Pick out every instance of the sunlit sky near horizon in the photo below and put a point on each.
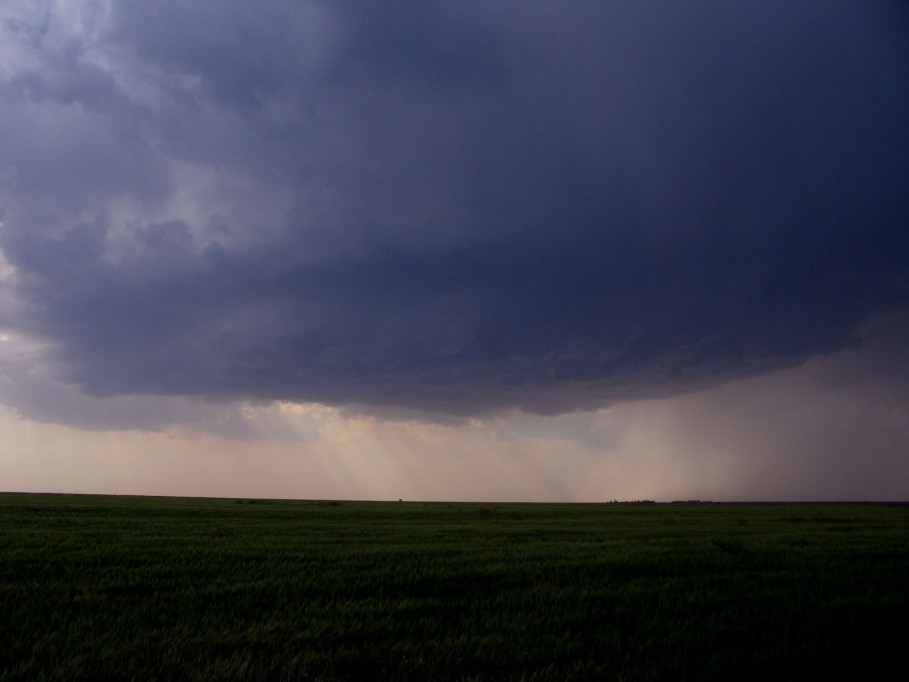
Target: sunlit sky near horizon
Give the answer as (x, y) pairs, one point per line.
(438, 250)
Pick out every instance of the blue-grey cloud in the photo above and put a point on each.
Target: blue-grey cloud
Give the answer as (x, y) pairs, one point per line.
(450, 207)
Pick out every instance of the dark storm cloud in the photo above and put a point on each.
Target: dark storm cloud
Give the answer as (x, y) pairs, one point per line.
(450, 206)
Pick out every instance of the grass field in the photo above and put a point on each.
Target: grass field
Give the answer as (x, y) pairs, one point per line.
(163, 589)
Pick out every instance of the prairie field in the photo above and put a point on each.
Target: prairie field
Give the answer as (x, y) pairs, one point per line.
(131, 588)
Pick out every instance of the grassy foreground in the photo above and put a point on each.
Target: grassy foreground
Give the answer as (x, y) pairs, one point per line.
(165, 589)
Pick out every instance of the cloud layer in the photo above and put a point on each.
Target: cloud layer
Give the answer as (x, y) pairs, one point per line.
(450, 207)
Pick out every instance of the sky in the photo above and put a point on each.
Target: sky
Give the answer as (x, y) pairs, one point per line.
(455, 250)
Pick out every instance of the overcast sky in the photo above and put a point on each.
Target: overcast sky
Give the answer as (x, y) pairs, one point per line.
(455, 250)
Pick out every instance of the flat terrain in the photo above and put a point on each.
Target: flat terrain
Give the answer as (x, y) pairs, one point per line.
(166, 588)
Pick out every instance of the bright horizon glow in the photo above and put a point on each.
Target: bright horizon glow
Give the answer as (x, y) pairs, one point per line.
(701, 446)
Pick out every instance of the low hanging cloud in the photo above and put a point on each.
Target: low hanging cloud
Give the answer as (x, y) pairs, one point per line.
(449, 207)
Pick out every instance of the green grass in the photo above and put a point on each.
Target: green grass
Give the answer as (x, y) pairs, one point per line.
(124, 588)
